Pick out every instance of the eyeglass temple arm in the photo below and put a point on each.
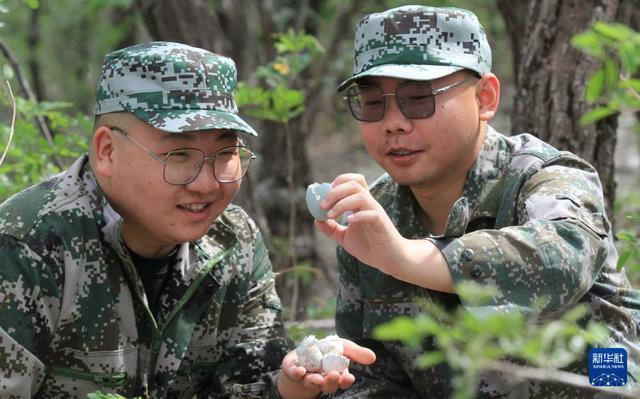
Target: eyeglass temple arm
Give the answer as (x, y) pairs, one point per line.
(449, 87)
(127, 135)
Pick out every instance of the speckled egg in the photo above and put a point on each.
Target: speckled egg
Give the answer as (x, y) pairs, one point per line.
(315, 194)
(322, 356)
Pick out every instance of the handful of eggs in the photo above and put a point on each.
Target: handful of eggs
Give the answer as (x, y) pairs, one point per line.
(322, 356)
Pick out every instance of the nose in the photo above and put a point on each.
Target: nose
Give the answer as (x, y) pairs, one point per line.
(205, 182)
(394, 120)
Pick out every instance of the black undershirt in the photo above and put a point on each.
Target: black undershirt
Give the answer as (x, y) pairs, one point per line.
(154, 274)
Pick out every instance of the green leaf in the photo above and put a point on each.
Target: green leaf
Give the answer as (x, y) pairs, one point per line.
(427, 325)
(633, 84)
(626, 236)
(589, 42)
(430, 359)
(616, 32)
(7, 72)
(611, 74)
(475, 294)
(401, 328)
(574, 314)
(33, 4)
(629, 54)
(595, 86)
(596, 114)
(624, 257)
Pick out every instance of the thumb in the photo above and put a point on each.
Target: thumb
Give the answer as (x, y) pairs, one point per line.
(331, 229)
(358, 353)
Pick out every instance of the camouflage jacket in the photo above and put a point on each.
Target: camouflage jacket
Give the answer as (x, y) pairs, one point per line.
(531, 222)
(74, 317)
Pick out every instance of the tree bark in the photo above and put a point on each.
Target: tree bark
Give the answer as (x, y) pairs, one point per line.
(274, 191)
(191, 22)
(33, 40)
(551, 82)
(514, 13)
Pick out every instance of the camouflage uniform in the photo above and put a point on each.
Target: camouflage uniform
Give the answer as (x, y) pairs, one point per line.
(74, 317)
(531, 222)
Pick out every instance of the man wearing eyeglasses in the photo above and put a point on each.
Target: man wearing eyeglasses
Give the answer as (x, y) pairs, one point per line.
(132, 272)
(460, 202)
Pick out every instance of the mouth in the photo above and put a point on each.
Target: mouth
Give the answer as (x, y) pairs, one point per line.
(195, 207)
(401, 152)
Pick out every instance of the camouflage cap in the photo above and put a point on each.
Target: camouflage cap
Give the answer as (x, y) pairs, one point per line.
(419, 43)
(171, 86)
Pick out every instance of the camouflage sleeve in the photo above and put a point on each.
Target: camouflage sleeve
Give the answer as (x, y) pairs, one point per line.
(555, 252)
(258, 342)
(385, 378)
(28, 310)
(349, 303)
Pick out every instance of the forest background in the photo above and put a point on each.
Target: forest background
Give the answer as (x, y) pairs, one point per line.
(290, 57)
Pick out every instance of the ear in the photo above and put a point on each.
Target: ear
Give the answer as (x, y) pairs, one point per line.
(488, 96)
(103, 148)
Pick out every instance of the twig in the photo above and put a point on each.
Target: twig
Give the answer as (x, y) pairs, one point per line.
(293, 255)
(327, 324)
(13, 123)
(26, 89)
(558, 376)
(313, 270)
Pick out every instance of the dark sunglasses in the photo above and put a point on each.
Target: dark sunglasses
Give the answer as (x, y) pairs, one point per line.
(416, 100)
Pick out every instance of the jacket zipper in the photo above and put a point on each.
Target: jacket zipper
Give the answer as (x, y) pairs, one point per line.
(106, 380)
(157, 339)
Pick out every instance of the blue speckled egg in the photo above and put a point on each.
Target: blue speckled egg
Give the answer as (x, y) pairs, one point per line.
(315, 194)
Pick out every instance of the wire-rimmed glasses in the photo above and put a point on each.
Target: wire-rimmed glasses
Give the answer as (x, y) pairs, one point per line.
(183, 165)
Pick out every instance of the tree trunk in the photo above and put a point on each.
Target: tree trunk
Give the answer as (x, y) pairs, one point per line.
(551, 81)
(274, 191)
(33, 41)
(514, 13)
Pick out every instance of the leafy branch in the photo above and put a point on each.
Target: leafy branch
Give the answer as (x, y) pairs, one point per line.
(13, 123)
(472, 340)
(26, 88)
(279, 101)
(613, 87)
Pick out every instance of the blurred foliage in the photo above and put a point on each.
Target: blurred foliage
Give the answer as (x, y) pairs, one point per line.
(321, 310)
(615, 87)
(471, 339)
(66, 42)
(274, 98)
(30, 157)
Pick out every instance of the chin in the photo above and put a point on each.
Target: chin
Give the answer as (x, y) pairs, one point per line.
(404, 180)
(190, 236)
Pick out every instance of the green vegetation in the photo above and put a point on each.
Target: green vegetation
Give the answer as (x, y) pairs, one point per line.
(613, 88)
(469, 341)
(474, 339)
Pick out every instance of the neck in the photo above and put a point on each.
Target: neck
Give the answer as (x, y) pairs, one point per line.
(437, 198)
(143, 248)
(436, 204)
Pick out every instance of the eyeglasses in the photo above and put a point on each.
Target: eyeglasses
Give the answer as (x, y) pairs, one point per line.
(183, 165)
(416, 100)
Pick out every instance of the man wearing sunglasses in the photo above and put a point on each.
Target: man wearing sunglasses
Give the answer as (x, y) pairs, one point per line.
(131, 272)
(460, 202)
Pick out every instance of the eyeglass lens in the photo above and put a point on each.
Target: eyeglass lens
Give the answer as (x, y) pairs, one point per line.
(415, 100)
(229, 164)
